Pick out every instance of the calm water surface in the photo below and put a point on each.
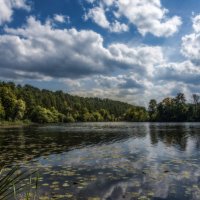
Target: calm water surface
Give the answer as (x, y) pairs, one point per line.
(110, 161)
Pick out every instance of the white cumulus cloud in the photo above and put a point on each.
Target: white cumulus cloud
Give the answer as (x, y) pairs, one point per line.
(149, 16)
(61, 18)
(53, 52)
(7, 8)
(191, 42)
(97, 14)
(118, 27)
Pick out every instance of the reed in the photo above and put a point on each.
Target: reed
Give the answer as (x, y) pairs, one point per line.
(18, 184)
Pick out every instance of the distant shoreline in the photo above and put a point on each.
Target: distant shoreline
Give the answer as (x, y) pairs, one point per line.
(21, 124)
(15, 124)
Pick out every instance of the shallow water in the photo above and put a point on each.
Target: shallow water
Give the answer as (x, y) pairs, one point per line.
(111, 161)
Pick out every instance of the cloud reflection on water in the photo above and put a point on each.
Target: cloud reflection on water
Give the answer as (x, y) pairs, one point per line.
(112, 161)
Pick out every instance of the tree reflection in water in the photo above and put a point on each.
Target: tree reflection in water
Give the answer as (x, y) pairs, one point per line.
(109, 160)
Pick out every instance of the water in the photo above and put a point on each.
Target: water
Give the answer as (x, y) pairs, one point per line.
(111, 161)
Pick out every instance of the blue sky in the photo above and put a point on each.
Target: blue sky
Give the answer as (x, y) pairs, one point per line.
(128, 50)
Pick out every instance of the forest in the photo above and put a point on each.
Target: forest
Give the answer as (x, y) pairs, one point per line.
(43, 106)
(175, 109)
(21, 103)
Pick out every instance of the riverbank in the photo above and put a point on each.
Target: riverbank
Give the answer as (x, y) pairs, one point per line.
(15, 124)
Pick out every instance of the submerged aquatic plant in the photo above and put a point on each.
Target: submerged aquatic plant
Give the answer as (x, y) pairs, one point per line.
(18, 184)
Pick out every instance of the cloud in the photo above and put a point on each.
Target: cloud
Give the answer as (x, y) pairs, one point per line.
(89, 66)
(132, 83)
(191, 42)
(146, 56)
(68, 53)
(166, 79)
(108, 2)
(61, 18)
(108, 81)
(118, 27)
(125, 81)
(147, 16)
(118, 87)
(90, 1)
(111, 87)
(184, 72)
(7, 8)
(97, 15)
(196, 23)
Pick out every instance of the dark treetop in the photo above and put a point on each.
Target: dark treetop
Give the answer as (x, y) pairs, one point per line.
(43, 106)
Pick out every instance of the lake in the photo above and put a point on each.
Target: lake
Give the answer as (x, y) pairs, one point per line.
(109, 161)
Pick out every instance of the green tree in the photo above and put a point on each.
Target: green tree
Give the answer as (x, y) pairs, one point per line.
(86, 117)
(20, 108)
(153, 110)
(166, 110)
(196, 109)
(97, 117)
(2, 111)
(105, 114)
(136, 114)
(22, 102)
(181, 107)
(9, 101)
(43, 115)
(180, 98)
(70, 118)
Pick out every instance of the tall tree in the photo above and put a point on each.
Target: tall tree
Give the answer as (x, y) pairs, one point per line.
(153, 110)
(181, 108)
(2, 112)
(20, 109)
(180, 98)
(196, 99)
(8, 100)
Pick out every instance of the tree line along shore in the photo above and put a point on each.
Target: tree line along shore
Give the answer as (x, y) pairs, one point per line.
(27, 104)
